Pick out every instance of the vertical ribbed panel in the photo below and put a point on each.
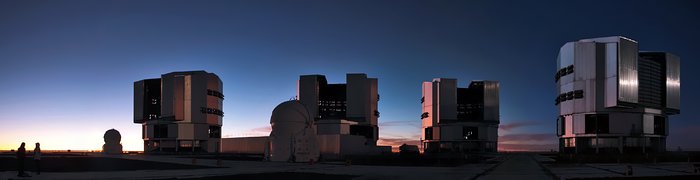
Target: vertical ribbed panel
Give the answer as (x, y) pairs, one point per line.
(673, 82)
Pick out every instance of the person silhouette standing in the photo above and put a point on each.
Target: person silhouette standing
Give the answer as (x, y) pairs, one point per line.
(21, 153)
(37, 158)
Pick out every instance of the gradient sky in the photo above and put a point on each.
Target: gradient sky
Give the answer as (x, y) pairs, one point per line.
(67, 67)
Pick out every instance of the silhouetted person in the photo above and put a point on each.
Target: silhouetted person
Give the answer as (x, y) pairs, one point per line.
(37, 158)
(21, 153)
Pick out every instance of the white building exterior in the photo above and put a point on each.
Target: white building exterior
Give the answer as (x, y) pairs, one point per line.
(613, 98)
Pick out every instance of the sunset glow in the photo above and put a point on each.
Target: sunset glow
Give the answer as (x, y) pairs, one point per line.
(68, 77)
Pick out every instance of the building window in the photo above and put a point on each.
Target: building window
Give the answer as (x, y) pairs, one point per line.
(470, 133)
(185, 144)
(578, 94)
(659, 125)
(428, 133)
(160, 131)
(562, 125)
(424, 115)
(563, 72)
(215, 93)
(570, 142)
(597, 123)
(215, 131)
(211, 111)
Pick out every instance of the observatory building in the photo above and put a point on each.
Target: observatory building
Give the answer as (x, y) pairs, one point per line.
(613, 98)
(460, 120)
(180, 112)
(326, 121)
(345, 114)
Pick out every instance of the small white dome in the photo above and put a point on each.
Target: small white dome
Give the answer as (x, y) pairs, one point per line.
(293, 137)
(290, 111)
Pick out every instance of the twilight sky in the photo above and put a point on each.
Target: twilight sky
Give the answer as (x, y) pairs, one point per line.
(67, 67)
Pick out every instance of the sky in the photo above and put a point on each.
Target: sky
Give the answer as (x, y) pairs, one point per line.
(67, 67)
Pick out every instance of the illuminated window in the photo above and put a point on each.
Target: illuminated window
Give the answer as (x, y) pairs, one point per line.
(470, 133)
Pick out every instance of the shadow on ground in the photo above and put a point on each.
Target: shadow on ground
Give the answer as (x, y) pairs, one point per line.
(81, 164)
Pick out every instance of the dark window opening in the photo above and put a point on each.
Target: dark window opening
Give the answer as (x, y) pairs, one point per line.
(578, 94)
(424, 115)
(562, 125)
(366, 131)
(160, 131)
(429, 133)
(659, 125)
(215, 93)
(597, 123)
(211, 111)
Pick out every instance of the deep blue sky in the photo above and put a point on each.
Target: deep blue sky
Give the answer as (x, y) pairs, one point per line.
(67, 67)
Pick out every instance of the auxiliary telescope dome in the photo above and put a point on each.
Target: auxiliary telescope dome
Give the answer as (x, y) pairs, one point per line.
(293, 136)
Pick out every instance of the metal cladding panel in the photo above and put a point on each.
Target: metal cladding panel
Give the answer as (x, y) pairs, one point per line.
(585, 61)
(566, 107)
(564, 88)
(579, 105)
(436, 133)
(308, 92)
(201, 131)
(648, 123)
(166, 107)
(579, 122)
(358, 98)
(625, 123)
(451, 133)
(187, 100)
(491, 100)
(179, 98)
(611, 92)
(589, 95)
(447, 99)
(611, 83)
(673, 82)
(373, 101)
(214, 83)
(139, 90)
(174, 131)
(245, 145)
(627, 71)
(428, 104)
(565, 59)
(196, 97)
(568, 125)
(492, 133)
(566, 55)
